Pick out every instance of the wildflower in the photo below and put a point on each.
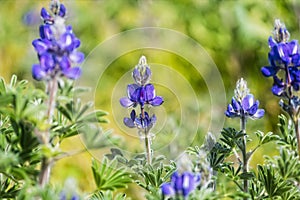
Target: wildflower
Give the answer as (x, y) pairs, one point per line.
(56, 47)
(141, 92)
(182, 184)
(141, 122)
(243, 104)
(284, 56)
(141, 95)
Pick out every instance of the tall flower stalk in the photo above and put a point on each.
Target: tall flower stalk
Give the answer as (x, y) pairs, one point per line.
(284, 60)
(141, 95)
(244, 106)
(56, 50)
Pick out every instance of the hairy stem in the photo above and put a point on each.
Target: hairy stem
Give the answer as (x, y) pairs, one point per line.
(244, 153)
(47, 162)
(148, 147)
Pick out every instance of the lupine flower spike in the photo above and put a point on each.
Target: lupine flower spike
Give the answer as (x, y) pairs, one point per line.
(57, 53)
(244, 106)
(141, 94)
(284, 57)
(56, 47)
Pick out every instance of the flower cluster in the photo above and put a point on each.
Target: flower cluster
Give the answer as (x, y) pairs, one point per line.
(141, 93)
(283, 56)
(243, 104)
(182, 184)
(56, 47)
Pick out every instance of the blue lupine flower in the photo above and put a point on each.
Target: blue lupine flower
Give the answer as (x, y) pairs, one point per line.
(285, 56)
(141, 122)
(248, 107)
(243, 104)
(56, 47)
(182, 184)
(141, 95)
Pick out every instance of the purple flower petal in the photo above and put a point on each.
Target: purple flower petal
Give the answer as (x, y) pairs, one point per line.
(253, 109)
(176, 179)
(259, 114)
(188, 183)
(47, 62)
(65, 63)
(167, 189)
(72, 73)
(235, 105)
(277, 90)
(45, 15)
(125, 102)
(38, 73)
(129, 122)
(62, 10)
(45, 32)
(272, 42)
(40, 46)
(230, 112)
(269, 71)
(133, 92)
(76, 57)
(157, 101)
(150, 92)
(248, 102)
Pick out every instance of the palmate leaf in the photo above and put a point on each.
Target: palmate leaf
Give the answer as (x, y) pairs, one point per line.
(108, 176)
(273, 184)
(287, 136)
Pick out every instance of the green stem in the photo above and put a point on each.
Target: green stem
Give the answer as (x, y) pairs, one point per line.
(46, 165)
(148, 147)
(244, 153)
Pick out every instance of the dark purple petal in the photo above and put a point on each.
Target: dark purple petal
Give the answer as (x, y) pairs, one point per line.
(65, 63)
(129, 122)
(259, 114)
(76, 57)
(62, 10)
(76, 43)
(72, 73)
(45, 32)
(235, 105)
(230, 112)
(248, 102)
(47, 61)
(125, 102)
(38, 73)
(253, 109)
(269, 71)
(133, 115)
(272, 42)
(167, 189)
(45, 15)
(176, 180)
(150, 92)
(40, 46)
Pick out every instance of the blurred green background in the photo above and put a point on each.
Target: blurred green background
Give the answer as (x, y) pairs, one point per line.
(234, 34)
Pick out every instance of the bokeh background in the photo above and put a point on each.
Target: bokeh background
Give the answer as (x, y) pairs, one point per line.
(233, 33)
